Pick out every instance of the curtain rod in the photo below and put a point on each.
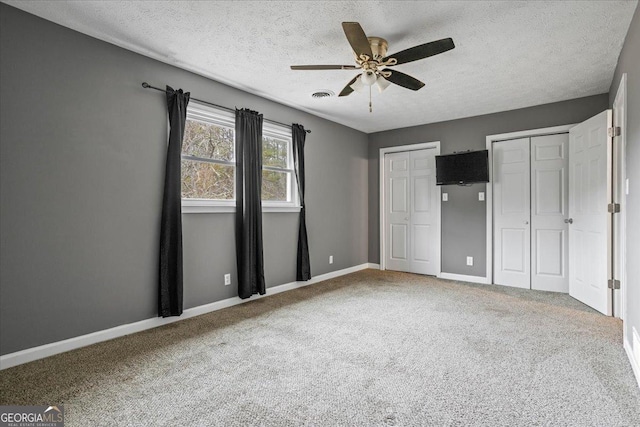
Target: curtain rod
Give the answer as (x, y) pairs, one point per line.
(148, 86)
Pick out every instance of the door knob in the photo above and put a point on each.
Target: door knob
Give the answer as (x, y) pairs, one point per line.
(568, 221)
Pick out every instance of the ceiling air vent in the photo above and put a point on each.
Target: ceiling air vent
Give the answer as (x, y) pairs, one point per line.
(322, 94)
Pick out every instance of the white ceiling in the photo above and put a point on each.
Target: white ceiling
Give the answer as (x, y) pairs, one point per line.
(508, 54)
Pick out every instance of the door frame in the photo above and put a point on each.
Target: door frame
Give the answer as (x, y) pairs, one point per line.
(404, 148)
(489, 190)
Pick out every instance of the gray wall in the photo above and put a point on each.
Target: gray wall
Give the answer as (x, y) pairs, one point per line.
(463, 216)
(82, 149)
(629, 62)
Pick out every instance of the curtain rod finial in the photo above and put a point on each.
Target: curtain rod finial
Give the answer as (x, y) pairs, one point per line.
(145, 85)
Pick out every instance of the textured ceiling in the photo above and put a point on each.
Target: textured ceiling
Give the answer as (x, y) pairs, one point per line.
(508, 54)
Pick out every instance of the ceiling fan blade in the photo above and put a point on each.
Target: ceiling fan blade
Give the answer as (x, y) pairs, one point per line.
(324, 67)
(357, 39)
(404, 80)
(422, 51)
(348, 89)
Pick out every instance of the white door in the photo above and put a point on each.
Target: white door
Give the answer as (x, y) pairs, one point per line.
(411, 215)
(619, 196)
(511, 213)
(396, 198)
(549, 210)
(424, 216)
(589, 193)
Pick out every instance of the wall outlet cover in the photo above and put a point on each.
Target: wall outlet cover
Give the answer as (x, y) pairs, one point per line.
(330, 259)
(445, 197)
(227, 279)
(469, 260)
(481, 196)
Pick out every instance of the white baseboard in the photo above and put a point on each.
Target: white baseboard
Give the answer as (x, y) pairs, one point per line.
(464, 278)
(635, 364)
(374, 266)
(35, 353)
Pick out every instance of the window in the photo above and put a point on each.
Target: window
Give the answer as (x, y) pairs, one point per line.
(278, 177)
(208, 163)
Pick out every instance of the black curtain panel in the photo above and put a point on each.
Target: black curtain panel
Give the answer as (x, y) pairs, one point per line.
(170, 289)
(303, 266)
(249, 203)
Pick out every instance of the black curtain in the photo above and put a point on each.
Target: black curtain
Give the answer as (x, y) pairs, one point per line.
(170, 287)
(249, 203)
(303, 266)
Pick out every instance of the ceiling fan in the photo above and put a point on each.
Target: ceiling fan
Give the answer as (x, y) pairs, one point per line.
(371, 57)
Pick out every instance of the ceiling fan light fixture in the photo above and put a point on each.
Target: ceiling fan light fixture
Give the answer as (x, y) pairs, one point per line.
(368, 77)
(382, 83)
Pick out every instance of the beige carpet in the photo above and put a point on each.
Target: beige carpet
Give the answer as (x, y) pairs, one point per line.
(371, 348)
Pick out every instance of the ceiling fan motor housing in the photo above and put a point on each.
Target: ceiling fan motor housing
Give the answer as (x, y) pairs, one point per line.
(378, 47)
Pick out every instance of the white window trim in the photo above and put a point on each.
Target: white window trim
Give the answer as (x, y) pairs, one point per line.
(201, 112)
(198, 206)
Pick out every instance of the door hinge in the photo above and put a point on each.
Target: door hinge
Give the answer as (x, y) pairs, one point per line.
(613, 208)
(613, 284)
(613, 131)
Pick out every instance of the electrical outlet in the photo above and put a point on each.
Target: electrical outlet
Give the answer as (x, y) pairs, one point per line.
(481, 196)
(330, 259)
(227, 279)
(469, 260)
(445, 197)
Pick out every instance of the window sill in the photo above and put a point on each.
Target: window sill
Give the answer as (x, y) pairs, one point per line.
(192, 208)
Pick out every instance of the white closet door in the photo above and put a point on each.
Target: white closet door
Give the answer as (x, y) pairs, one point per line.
(589, 192)
(397, 207)
(512, 210)
(412, 243)
(424, 254)
(549, 210)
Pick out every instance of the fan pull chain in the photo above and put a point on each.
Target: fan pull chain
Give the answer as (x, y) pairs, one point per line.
(370, 107)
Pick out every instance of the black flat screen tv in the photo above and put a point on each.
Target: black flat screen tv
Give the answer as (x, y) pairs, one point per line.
(462, 168)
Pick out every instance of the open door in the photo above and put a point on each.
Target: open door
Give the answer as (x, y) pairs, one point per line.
(590, 163)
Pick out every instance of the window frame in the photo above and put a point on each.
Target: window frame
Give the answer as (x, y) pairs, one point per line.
(216, 116)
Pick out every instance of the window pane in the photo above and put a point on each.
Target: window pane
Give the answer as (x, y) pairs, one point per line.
(201, 180)
(274, 185)
(274, 152)
(207, 140)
